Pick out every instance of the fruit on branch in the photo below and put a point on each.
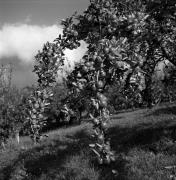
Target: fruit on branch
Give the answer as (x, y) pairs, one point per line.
(100, 160)
(106, 50)
(101, 138)
(102, 73)
(88, 64)
(99, 59)
(103, 102)
(100, 84)
(107, 160)
(104, 126)
(119, 64)
(116, 52)
(110, 30)
(75, 33)
(85, 69)
(36, 105)
(111, 57)
(102, 99)
(93, 87)
(96, 121)
(79, 75)
(80, 86)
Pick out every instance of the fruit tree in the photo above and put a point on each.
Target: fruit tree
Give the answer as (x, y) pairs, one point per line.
(122, 36)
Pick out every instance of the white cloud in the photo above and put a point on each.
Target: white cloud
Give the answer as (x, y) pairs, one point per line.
(75, 55)
(23, 41)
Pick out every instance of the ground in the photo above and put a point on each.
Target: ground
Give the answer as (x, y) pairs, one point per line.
(144, 142)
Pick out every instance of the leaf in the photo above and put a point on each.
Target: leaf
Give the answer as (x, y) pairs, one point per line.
(92, 145)
(170, 167)
(112, 158)
(115, 172)
(74, 84)
(124, 41)
(96, 152)
(99, 145)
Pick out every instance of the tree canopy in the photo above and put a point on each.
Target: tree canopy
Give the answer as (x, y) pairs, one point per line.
(123, 37)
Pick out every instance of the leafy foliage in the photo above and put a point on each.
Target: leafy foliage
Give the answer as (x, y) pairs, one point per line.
(11, 108)
(124, 38)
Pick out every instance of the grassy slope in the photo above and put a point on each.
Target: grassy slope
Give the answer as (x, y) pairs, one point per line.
(143, 141)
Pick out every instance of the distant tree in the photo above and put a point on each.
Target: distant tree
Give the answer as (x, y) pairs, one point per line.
(11, 111)
(169, 82)
(53, 113)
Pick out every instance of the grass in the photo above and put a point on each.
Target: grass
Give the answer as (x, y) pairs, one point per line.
(144, 141)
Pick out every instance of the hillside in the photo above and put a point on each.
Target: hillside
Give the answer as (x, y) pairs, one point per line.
(144, 141)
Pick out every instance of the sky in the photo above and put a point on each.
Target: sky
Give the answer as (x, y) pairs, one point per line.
(25, 25)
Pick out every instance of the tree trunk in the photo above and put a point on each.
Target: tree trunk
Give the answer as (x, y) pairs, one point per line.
(147, 96)
(3, 145)
(17, 136)
(35, 139)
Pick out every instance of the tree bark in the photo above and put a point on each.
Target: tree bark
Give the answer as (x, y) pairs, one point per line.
(148, 91)
(17, 136)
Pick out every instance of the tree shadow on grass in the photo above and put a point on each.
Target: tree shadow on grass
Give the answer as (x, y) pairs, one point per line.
(47, 161)
(49, 158)
(156, 138)
(142, 135)
(170, 110)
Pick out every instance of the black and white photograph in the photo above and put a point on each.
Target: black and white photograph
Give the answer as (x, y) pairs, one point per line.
(87, 90)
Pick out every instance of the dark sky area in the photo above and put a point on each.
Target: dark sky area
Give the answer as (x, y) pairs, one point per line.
(41, 12)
